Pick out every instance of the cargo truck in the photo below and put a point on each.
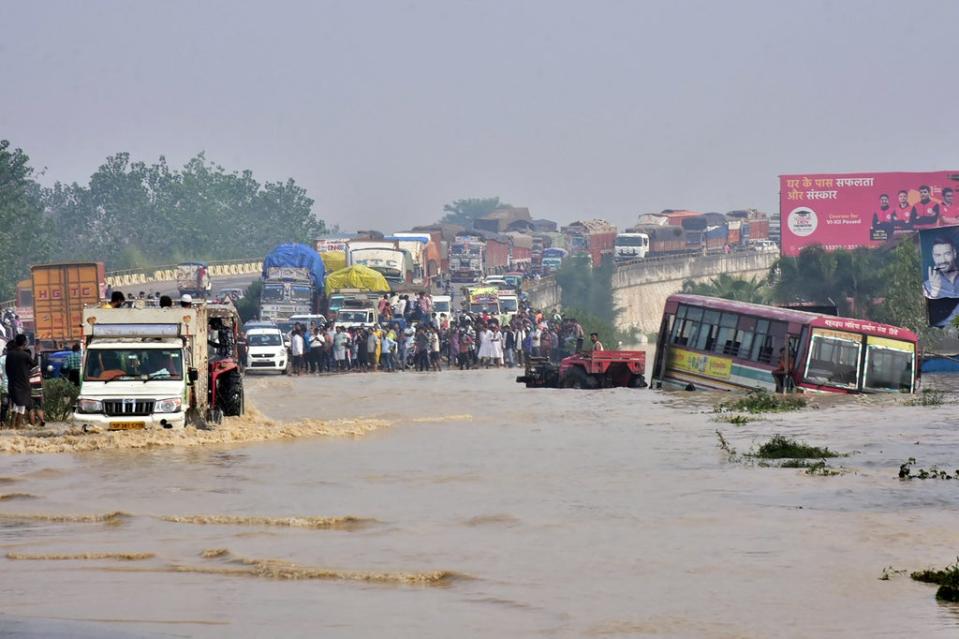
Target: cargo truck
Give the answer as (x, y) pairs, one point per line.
(293, 282)
(60, 292)
(159, 367)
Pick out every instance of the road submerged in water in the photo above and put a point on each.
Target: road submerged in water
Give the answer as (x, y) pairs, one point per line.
(463, 504)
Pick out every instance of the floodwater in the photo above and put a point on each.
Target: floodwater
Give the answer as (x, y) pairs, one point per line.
(462, 504)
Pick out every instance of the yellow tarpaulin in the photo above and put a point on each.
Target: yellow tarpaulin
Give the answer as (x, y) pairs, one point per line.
(358, 276)
(333, 260)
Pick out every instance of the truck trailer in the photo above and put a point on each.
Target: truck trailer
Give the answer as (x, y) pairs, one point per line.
(60, 293)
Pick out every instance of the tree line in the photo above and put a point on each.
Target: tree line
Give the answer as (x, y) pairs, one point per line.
(883, 285)
(132, 214)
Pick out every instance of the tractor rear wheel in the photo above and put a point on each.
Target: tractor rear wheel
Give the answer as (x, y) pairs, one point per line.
(575, 378)
(229, 394)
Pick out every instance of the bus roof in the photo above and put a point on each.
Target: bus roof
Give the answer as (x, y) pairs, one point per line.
(799, 317)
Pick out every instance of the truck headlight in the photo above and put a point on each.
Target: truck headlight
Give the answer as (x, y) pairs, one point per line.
(171, 405)
(85, 405)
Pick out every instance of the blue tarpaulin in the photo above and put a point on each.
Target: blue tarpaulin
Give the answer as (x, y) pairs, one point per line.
(297, 256)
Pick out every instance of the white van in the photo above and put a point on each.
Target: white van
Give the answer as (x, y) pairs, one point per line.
(265, 350)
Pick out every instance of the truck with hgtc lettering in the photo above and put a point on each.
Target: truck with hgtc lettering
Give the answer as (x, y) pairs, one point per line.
(159, 367)
(293, 280)
(60, 293)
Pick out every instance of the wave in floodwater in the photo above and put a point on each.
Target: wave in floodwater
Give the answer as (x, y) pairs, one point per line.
(279, 570)
(8, 480)
(251, 427)
(81, 556)
(114, 518)
(12, 496)
(334, 523)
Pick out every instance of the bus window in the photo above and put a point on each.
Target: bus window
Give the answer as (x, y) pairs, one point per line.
(834, 358)
(762, 343)
(889, 364)
(726, 339)
(708, 330)
(744, 336)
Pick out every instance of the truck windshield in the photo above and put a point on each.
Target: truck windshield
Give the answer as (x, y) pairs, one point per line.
(272, 293)
(636, 240)
(265, 339)
(508, 305)
(302, 293)
(106, 364)
(441, 306)
(351, 316)
(492, 309)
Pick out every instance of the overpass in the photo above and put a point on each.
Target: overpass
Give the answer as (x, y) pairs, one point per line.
(640, 287)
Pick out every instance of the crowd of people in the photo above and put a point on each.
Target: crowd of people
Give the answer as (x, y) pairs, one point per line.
(410, 336)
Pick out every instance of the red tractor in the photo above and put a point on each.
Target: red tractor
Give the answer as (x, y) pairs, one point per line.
(592, 369)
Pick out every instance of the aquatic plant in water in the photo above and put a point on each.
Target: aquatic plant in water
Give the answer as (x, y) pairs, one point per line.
(947, 579)
(782, 447)
(761, 401)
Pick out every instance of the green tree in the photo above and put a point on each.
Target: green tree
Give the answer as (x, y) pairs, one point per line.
(463, 212)
(903, 303)
(852, 280)
(587, 296)
(727, 287)
(24, 239)
(134, 214)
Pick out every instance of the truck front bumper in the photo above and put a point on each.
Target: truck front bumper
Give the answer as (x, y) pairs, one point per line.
(131, 422)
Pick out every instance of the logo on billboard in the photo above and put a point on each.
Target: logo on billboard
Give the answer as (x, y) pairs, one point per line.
(802, 221)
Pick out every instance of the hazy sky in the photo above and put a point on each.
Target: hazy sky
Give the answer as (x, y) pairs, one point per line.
(384, 111)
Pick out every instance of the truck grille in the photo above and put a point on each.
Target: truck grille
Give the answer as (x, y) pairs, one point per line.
(117, 407)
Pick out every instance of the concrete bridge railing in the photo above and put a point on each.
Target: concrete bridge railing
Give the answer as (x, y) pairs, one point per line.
(132, 277)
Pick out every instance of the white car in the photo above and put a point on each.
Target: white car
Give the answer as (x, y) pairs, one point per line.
(265, 350)
(763, 246)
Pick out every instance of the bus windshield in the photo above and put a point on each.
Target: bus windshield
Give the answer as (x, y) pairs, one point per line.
(890, 364)
(834, 358)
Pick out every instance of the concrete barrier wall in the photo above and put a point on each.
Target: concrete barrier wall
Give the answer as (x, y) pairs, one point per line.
(641, 289)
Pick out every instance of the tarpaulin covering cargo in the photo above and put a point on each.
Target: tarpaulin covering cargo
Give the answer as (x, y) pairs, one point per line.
(357, 277)
(300, 256)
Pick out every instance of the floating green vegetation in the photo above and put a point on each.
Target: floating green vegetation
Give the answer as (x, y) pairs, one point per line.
(905, 472)
(927, 397)
(795, 455)
(781, 447)
(736, 420)
(947, 579)
(761, 401)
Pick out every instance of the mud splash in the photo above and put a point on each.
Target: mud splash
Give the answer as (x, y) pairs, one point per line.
(12, 496)
(330, 523)
(252, 427)
(114, 519)
(81, 556)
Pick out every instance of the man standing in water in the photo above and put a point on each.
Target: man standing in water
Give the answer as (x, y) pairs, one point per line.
(17, 368)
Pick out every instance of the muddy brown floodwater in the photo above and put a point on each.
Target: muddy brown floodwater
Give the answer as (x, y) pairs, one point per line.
(461, 504)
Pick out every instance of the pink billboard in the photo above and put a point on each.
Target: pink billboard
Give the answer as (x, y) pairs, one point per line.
(848, 210)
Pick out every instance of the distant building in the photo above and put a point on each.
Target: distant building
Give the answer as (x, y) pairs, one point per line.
(545, 226)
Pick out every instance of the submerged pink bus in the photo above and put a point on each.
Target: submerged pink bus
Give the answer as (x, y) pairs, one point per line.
(717, 344)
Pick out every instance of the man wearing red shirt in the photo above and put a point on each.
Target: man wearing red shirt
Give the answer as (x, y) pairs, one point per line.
(926, 210)
(948, 212)
(903, 209)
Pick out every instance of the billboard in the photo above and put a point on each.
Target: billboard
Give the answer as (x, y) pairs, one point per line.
(940, 273)
(848, 210)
